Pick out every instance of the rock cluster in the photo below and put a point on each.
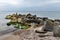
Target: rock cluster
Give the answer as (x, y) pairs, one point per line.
(37, 23)
(26, 19)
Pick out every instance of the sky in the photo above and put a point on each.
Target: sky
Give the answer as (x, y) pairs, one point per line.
(29, 5)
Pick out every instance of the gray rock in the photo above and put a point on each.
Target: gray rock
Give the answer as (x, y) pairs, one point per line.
(56, 31)
(48, 26)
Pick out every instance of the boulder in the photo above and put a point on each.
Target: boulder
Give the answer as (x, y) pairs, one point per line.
(57, 20)
(45, 18)
(48, 26)
(56, 30)
(8, 17)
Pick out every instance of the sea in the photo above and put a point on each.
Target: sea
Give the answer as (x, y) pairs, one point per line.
(50, 14)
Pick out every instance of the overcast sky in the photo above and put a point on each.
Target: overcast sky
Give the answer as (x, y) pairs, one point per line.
(29, 5)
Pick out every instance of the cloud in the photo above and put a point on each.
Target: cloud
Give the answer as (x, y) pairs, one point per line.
(40, 2)
(10, 2)
(29, 4)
